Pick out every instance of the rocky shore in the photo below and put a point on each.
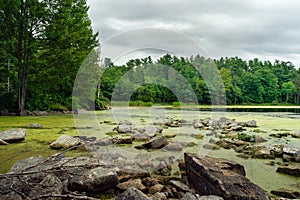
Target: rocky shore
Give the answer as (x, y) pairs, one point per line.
(111, 175)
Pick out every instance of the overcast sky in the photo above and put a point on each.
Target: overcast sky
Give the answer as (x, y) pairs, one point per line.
(267, 29)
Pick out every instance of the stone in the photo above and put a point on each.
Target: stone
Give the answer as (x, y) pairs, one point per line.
(179, 185)
(122, 139)
(210, 197)
(3, 142)
(291, 154)
(65, 142)
(282, 192)
(220, 177)
(10, 196)
(259, 139)
(49, 185)
(159, 196)
(140, 137)
(136, 183)
(156, 188)
(132, 194)
(189, 196)
(251, 123)
(13, 135)
(262, 152)
(94, 180)
(151, 131)
(35, 126)
(156, 143)
(124, 127)
(295, 135)
(290, 170)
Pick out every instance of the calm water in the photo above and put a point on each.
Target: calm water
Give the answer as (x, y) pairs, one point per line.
(270, 121)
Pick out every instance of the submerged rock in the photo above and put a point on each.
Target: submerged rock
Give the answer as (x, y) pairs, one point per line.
(282, 192)
(220, 177)
(13, 135)
(290, 170)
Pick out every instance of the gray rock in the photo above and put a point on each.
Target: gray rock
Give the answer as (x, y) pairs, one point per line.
(123, 128)
(65, 142)
(132, 194)
(35, 126)
(189, 196)
(291, 154)
(179, 185)
(210, 197)
(151, 131)
(220, 177)
(13, 135)
(251, 123)
(95, 180)
(259, 139)
(140, 137)
(156, 143)
(159, 196)
(49, 185)
(11, 196)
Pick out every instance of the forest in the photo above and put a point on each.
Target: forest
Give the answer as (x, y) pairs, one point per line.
(43, 44)
(244, 82)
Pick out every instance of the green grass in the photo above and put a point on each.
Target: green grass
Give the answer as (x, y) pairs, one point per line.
(37, 140)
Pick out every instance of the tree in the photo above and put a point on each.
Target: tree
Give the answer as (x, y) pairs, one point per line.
(288, 88)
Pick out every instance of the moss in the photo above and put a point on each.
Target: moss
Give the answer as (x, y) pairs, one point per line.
(37, 140)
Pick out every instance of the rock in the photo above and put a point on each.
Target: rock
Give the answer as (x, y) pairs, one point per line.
(3, 142)
(136, 183)
(215, 176)
(282, 192)
(121, 139)
(10, 196)
(156, 143)
(251, 123)
(95, 180)
(156, 188)
(13, 135)
(159, 196)
(65, 142)
(140, 137)
(148, 182)
(151, 131)
(35, 126)
(259, 139)
(132, 194)
(262, 152)
(210, 197)
(189, 196)
(123, 128)
(49, 185)
(80, 111)
(291, 154)
(295, 135)
(179, 185)
(290, 170)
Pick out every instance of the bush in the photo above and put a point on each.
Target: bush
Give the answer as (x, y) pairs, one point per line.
(176, 104)
(58, 107)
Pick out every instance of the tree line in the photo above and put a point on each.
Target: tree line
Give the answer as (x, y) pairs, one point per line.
(243, 82)
(42, 45)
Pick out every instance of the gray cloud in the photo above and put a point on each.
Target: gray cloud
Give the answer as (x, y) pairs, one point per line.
(263, 29)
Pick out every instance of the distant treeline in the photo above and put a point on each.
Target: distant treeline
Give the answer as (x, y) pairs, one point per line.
(242, 82)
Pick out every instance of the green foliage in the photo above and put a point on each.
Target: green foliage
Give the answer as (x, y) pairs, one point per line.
(176, 104)
(245, 137)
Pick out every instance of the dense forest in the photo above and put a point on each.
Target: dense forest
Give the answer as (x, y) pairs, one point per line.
(43, 44)
(244, 82)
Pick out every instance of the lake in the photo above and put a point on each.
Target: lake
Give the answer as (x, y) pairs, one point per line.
(258, 170)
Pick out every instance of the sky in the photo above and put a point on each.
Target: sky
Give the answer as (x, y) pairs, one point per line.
(267, 30)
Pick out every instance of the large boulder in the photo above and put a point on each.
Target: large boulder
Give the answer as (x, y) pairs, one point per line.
(251, 123)
(13, 135)
(221, 177)
(65, 142)
(291, 154)
(282, 192)
(95, 180)
(151, 131)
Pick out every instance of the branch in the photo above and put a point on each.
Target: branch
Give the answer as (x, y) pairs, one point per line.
(68, 196)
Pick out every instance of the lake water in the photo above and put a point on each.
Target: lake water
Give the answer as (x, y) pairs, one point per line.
(257, 170)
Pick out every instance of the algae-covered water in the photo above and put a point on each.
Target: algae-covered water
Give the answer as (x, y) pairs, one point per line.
(259, 171)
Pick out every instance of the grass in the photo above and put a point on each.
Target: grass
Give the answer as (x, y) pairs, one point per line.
(37, 140)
